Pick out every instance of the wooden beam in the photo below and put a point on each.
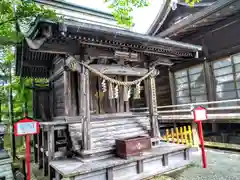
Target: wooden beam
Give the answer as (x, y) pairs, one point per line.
(114, 69)
(120, 70)
(56, 74)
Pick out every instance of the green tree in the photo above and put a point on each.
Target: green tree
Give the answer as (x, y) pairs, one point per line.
(122, 9)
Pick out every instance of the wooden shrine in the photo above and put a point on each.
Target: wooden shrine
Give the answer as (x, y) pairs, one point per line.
(96, 75)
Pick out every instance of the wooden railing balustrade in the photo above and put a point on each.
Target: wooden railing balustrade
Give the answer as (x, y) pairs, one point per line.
(179, 135)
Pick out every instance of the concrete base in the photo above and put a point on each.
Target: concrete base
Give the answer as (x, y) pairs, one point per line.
(159, 160)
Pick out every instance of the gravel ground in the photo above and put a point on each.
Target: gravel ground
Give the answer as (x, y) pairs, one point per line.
(220, 166)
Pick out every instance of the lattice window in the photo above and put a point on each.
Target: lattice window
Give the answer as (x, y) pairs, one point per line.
(227, 78)
(190, 85)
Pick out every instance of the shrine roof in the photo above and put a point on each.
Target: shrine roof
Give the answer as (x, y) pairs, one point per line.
(45, 39)
(202, 20)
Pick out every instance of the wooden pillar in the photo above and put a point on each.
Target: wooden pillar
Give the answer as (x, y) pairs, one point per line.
(173, 91)
(146, 91)
(67, 92)
(211, 95)
(126, 103)
(88, 113)
(39, 146)
(35, 137)
(121, 96)
(43, 148)
(195, 135)
(51, 147)
(84, 106)
(172, 87)
(153, 107)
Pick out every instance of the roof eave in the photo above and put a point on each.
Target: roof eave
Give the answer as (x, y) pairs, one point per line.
(196, 17)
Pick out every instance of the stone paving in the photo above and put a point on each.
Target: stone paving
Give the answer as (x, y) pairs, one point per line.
(221, 166)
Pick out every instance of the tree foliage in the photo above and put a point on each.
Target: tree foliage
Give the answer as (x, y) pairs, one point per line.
(12, 11)
(122, 9)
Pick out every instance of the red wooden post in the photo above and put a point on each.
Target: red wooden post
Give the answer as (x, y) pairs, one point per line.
(28, 156)
(26, 127)
(200, 114)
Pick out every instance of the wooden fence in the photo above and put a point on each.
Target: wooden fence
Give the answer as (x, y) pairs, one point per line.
(179, 135)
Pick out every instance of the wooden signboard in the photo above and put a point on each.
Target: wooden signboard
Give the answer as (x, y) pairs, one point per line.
(200, 114)
(26, 127)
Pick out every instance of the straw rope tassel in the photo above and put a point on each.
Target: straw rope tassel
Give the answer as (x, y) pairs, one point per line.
(110, 91)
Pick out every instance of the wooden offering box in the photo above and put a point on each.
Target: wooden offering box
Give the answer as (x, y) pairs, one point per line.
(132, 146)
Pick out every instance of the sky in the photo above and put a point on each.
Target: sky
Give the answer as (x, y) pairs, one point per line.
(143, 17)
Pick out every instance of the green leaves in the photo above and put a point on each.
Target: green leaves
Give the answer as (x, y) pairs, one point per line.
(122, 9)
(12, 11)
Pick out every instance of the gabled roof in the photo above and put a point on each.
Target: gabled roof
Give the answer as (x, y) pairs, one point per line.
(207, 17)
(215, 28)
(169, 16)
(79, 13)
(44, 40)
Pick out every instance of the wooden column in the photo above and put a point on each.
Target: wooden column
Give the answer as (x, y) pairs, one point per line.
(84, 106)
(153, 107)
(39, 146)
(67, 92)
(126, 103)
(172, 87)
(146, 91)
(35, 138)
(120, 98)
(51, 148)
(211, 95)
(173, 91)
(88, 114)
(196, 141)
(43, 148)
